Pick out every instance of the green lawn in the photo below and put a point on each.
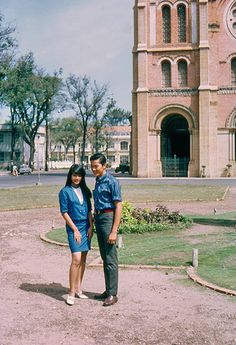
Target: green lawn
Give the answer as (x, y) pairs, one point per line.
(217, 251)
(29, 197)
(47, 196)
(156, 193)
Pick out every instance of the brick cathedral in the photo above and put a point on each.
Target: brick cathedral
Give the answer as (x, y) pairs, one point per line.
(184, 88)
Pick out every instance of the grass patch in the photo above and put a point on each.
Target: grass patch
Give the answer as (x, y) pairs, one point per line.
(60, 235)
(217, 253)
(157, 193)
(225, 219)
(23, 198)
(47, 196)
(218, 266)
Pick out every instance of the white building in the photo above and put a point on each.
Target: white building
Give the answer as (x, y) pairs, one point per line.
(21, 149)
(117, 151)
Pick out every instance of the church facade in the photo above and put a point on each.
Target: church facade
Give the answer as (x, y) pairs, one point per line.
(184, 88)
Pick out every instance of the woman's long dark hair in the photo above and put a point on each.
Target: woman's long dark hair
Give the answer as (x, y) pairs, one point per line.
(77, 169)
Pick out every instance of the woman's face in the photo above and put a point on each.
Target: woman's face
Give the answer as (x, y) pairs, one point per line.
(76, 179)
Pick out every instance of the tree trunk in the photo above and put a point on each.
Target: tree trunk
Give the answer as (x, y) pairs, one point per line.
(73, 153)
(13, 138)
(96, 141)
(83, 148)
(31, 158)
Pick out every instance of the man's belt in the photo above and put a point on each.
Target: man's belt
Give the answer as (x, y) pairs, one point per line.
(106, 210)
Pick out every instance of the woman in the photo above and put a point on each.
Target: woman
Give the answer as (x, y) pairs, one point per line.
(75, 207)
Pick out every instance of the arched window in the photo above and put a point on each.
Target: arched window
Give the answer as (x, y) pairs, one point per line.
(124, 145)
(166, 74)
(166, 24)
(231, 19)
(181, 23)
(233, 71)
(182, 73)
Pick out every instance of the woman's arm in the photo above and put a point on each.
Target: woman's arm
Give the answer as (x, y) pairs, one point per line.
(90, 230)
(77, 235)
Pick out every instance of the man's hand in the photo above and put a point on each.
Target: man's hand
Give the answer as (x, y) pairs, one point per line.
(112, 237)
(90, 233)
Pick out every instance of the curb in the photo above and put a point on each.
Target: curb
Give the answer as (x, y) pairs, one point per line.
(48, 240)
(192, 273)
(97, 263)
(45, 239)
(224, 195)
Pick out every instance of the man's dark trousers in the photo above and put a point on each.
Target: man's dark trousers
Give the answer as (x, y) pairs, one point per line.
(103, 223)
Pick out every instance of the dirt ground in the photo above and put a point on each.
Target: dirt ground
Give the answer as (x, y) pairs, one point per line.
(154, 307)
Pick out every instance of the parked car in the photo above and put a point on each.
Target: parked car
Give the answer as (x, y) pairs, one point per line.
(123, 167)
(25, 169)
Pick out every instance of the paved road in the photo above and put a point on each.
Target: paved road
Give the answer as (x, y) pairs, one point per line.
(59, 178)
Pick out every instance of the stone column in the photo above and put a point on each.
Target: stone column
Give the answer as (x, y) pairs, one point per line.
(140, 93)
(153, 24)
(207, 101)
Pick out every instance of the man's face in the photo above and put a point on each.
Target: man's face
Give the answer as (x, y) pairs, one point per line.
(97, 168)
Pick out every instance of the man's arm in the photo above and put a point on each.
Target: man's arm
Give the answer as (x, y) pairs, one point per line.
(116, 222)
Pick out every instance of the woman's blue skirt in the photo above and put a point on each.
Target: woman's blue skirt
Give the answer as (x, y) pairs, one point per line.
(85, 244)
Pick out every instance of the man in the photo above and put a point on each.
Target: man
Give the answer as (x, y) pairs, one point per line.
(108, 209)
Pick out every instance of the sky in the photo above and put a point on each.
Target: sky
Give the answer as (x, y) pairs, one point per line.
(92, 37)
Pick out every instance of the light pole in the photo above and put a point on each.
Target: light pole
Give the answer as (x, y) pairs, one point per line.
(38, 183)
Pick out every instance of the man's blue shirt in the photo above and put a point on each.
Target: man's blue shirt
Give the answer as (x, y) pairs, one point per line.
(107, 190)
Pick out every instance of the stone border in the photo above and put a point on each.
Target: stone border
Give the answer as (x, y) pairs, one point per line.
(45, 239)
(192, 273)
(48, 240)
(98, 263)
(224, 195)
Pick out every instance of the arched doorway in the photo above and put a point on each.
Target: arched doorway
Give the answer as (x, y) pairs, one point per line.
(175, 146)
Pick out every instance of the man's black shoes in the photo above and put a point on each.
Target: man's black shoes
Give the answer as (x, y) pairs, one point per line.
(102, 296)
(110, 300)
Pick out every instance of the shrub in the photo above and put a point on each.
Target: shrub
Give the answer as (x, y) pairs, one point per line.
(127, 214)
(137, 220)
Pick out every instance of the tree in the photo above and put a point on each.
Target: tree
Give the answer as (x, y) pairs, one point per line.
(87, 99)
(100, 120)
(116, 116)
(31, 95)
(8, 45)
(66, 131)
(113, 116)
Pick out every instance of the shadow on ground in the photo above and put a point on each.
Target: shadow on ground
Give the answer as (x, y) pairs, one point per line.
(54, 290)
(216, 222)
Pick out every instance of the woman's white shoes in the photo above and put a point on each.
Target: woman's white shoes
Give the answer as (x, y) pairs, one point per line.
(70, 300)
(81, 295)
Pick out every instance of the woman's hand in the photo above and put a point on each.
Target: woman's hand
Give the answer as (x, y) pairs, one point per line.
(77, 236)
(90, 233)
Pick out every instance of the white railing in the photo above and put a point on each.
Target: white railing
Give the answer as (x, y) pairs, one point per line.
(60, 164)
